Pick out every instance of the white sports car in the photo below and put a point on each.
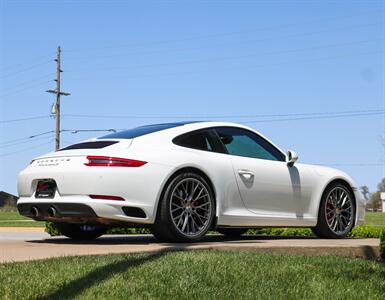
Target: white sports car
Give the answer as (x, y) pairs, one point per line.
(182, 179)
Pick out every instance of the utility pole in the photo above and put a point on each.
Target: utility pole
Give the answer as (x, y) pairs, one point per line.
(58, 93)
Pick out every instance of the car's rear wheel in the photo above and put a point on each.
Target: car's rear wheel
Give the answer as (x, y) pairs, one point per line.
(232, 232)
(337, 212)
(81, 231)
(186, 210)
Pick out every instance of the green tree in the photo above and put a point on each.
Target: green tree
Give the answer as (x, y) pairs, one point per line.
(375, 201)
(381, 185)
(365, 191)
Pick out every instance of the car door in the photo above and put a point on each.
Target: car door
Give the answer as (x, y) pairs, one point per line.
(268, 186)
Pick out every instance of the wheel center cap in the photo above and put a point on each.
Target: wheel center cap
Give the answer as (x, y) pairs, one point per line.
(338, 211)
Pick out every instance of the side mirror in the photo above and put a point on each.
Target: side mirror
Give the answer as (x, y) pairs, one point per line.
(291, 158)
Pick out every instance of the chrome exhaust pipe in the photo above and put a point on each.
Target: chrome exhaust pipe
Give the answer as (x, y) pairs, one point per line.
(52, 211)
(34, 211)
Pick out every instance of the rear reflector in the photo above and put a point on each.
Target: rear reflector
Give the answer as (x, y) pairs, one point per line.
(105, 161)
(104, 197)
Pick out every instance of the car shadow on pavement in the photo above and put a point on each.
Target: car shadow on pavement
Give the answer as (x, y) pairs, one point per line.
(149, 239)
(78, 285)
(105, 240)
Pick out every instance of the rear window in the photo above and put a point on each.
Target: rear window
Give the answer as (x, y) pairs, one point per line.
(90, 145)
(139, 131)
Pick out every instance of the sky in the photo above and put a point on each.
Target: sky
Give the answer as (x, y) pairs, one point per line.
(309, 75)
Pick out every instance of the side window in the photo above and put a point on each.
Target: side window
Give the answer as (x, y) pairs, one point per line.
(200, 140)
(242, 142)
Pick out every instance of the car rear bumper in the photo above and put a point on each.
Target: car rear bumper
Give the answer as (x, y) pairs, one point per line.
(137, 191)
(81, 209)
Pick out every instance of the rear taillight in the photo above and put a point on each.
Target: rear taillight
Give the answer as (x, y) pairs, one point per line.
(105, 161)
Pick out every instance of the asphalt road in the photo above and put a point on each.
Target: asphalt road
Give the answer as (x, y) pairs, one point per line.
(18, 244)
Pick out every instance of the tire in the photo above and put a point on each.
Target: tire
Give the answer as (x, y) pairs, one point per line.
(232, 232)
(337, 212)
(186, 209)
(81, 231)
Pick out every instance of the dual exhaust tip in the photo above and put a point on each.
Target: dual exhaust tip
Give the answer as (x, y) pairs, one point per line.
(36, 212)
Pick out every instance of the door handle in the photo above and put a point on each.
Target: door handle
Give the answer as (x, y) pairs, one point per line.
(246, 174)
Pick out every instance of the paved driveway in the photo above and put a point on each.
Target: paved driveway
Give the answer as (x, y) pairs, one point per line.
(28, 244)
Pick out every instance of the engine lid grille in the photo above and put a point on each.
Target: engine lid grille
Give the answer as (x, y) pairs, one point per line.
(90, 145)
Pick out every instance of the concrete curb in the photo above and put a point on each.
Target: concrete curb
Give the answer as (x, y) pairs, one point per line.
(22, 229)
(36, 248)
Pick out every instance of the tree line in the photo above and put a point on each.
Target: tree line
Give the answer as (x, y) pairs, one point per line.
(373, 200)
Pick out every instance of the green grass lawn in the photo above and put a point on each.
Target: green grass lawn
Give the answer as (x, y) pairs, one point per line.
(194, 275)
(14, 219)
(375, 218)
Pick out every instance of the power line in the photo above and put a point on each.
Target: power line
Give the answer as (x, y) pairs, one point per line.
(240, 56)
(352, 164)
(249, 66)
(302, 116)
(299, 116)
(25, 141)
(314, 118)
(40, 134)
(225, 116)
(26, 138)
(25, 149)
(224, 44)
(213, 35)
(15, 140)
(29, 81)
(195, 116)
(24, 119)
(34, 136)
(25, 69)
(25, 89)
(36, 60)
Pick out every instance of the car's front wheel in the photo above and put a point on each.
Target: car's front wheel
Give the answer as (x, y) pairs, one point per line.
(186, 210)
(337, 212)
(81, 231)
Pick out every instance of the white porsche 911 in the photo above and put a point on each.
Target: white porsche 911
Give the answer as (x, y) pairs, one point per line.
(182, 179)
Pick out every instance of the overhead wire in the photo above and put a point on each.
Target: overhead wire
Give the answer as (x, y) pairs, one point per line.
(352, 164)
(222, 44)
(25, 69)
(314, 118)
(24, 119)
(25, 141)
(224, 116)
(209, 36)
(28, 82)
(237, 57)
(40, 134)
(36, 60)
(25, 149)
(25, 89)
(240, 67)
(198, 116)
(25, 138)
